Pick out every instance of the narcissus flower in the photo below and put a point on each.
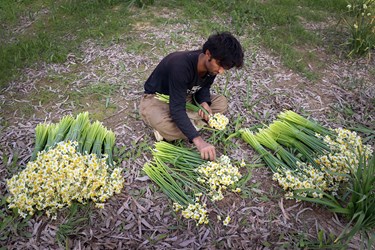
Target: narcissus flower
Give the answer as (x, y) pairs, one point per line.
(218, 121)
(60, 176)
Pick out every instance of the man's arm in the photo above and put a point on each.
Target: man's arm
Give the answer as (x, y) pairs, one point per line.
(178, 92)
(178, 85)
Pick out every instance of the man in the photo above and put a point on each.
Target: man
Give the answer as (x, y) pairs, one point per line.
(187, 76)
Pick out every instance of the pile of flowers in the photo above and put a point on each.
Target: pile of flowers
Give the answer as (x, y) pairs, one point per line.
(60, 176)
(195, 211)
(345, 149)
(323, 157)
(306, 178)
(219, 175)
(189, 181)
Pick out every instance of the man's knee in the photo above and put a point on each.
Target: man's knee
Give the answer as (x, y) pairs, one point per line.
(219, 104)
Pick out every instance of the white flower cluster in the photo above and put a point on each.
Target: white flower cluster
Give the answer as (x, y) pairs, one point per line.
(305, 177)
(219, 175)
(195, 211)
(58, 177)
(344, 152)
(218, 121)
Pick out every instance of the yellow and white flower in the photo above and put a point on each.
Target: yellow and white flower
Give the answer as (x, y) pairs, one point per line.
(60, 176)
(218, 121)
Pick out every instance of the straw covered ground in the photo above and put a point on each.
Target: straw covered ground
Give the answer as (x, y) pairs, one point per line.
(107, 80)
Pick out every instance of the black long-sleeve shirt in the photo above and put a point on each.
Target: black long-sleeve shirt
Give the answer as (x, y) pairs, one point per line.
(177, 75)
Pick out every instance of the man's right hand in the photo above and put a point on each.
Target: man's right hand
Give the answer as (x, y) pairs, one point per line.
(202, 114)
(207, 150)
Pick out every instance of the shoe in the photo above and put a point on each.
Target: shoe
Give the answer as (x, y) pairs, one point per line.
(158, 136)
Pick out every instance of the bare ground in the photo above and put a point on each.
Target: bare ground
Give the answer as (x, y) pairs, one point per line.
(141, 216)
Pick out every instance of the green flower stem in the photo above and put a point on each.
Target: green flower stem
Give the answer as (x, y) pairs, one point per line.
(293, 117)
(81, 122)
(52, 130)
(177, 155)
(63, 128)
(271, 161)
(316, 144)
(41, 134)
(188, 180)
(158, 173)
(265, 138)
(299, 146)
(90, 136)
(190, 106)
(109, 143)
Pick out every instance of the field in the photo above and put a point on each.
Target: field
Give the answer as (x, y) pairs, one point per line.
(65, 57)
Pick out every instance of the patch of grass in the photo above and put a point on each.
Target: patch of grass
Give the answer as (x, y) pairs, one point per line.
(50, 37)
(278, 25)
(9, 161)
(133, 152)
(44, 96)
(323, 240)
(77, 218)
(11, 224)
(10, 12)
(100, 90)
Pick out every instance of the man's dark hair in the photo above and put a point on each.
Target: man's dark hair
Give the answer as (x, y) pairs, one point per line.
(225, 48)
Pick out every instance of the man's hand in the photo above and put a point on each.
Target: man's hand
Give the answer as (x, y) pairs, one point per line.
(202, 114)
(207, 150)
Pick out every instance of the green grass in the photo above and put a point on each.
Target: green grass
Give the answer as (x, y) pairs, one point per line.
(78, 217)
(11, 223)
(52, 36)
(277, 25)
(59, 27)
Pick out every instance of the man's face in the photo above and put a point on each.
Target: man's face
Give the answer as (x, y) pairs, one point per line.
(214, 67)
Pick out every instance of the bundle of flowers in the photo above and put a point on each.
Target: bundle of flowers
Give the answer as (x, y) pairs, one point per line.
(189, 181)
(219, 175)
(91, 138)
(345, 150)
(217, 121)
(174, 188)
(60, 176)
(71, 161)
(323, 157)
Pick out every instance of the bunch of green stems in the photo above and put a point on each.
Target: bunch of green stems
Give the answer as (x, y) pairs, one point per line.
(178, 156)
(189, 106)
(286, 128)
(174, 171)
(303, 123)
(184, 163)
(305, 153)
(264, 137)
(91, 138)
(273, 162)
(158, 172)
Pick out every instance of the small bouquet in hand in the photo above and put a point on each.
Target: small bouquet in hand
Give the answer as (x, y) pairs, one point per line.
(217, 121)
